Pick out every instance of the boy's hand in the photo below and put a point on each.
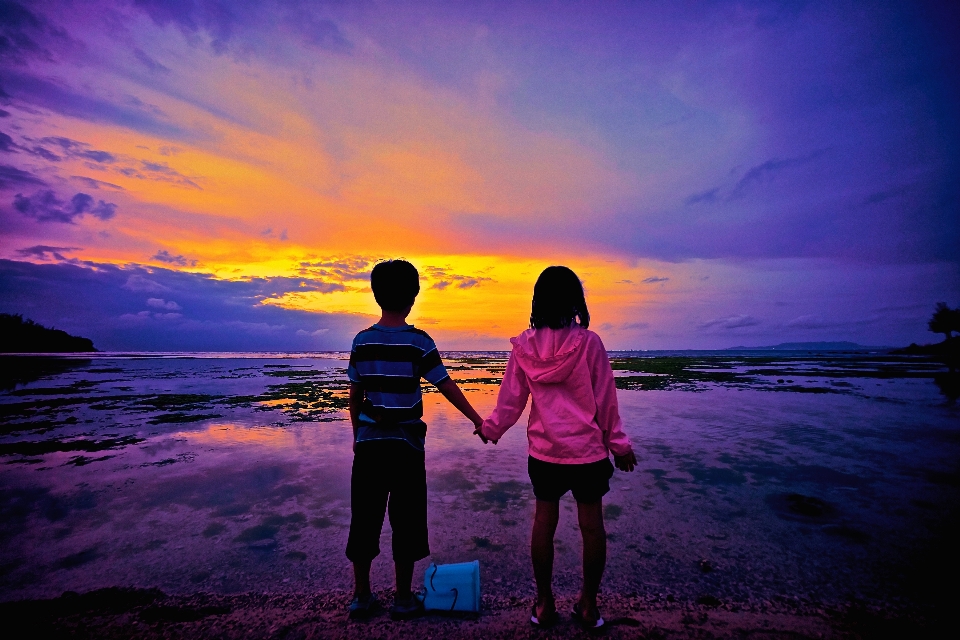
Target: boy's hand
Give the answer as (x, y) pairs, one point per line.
(478, 430)
(625, 462)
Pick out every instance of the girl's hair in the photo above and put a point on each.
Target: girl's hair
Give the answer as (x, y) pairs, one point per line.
(558, 299)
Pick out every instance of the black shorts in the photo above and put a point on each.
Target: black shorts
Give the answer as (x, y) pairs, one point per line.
(588, 482)
(388, 470)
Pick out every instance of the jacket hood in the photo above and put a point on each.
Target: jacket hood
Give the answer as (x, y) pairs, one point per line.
(549, 355)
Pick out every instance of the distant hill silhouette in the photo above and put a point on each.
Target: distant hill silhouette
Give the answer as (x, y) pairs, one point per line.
(950, 347)
(26, 336)
(808, 346)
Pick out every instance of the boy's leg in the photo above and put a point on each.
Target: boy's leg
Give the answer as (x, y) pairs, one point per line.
(541, 551)
(361, 578)
(590, 516)
(404, 570)
(368, 503)
(408, 515)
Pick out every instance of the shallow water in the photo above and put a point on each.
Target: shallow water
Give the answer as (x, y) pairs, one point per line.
(231, 474)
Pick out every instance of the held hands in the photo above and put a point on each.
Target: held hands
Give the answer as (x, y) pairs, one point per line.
(625, 462)
(478, 424)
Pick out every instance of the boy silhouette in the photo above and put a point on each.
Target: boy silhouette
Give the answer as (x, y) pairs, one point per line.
(387, 362)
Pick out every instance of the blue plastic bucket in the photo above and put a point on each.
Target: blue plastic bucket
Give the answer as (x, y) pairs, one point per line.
(452, 587)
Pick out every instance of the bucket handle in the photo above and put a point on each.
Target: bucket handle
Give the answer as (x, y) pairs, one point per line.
(456, 592)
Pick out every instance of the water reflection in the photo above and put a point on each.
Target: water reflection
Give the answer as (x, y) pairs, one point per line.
(949, 385)
(736, 477)
(19, 370)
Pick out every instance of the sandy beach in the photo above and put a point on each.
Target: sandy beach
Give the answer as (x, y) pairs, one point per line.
(124, 613)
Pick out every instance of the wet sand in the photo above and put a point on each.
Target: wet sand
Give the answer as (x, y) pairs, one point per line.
(813, 507)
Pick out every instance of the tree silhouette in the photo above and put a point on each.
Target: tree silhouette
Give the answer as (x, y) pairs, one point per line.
(945, 320)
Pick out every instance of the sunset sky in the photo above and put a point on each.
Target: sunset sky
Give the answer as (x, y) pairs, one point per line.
(222, 175)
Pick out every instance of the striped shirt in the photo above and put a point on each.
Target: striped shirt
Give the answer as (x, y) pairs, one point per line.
(388, 362)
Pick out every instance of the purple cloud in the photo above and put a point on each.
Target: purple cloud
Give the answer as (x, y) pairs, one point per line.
(25, 35)
(11, 177)
(165, 256)
(74, 149)
(709, 195)
(44, 206)
(98, 184)
(56, 96)
(160, 303)
(41, 250)
(730, 322)
(654, 280)
(150, 63)
(215, 315)
(6, 143)
(765, 171)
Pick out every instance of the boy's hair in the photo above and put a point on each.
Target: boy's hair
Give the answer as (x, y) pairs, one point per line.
(395, 284)
(558, 299)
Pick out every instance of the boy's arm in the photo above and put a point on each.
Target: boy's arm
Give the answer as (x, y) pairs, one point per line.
(452, 393)
(356, 405)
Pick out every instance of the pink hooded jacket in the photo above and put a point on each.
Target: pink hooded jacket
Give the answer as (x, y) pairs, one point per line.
(574, 417)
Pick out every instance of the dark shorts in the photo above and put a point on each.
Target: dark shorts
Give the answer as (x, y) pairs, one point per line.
(388, 472)
(588, 482)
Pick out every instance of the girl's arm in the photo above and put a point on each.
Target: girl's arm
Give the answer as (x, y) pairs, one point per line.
(608, 410)
(511, 401)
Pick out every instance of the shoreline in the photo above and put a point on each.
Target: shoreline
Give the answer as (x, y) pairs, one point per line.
(118, 612)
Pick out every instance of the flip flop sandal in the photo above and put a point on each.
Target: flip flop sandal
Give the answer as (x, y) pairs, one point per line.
(578, 616)
(544, 621)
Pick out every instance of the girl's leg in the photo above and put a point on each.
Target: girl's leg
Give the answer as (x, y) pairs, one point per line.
(590, 515)
(541, 550)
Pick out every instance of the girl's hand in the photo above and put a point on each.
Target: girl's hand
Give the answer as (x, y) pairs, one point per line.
(483, 437)
(625, 462)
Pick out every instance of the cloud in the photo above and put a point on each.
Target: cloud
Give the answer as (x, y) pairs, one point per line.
(340, 269)
(654, 279)
(635, 325)
(158, 171)
(41, 250)
(12, 177)
(443, 279)
(43, 153)
(25, 35)
(74, 149)
(44, 206)
(150, 63)
(141, 284)
(730, 322)
(704, 196)
(105, 302)
(315, 334)
(98, 184)
(318, 32)
(165, 256)
(764, 171)
(56, 96)
(160, 303)
(242, 24)
(280, 285)
(6, 143)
